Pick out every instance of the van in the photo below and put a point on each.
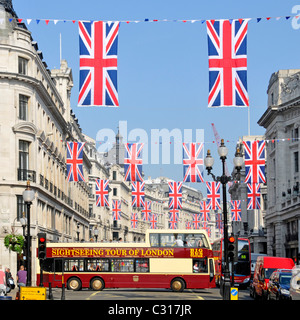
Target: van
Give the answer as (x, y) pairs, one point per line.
(264, 267)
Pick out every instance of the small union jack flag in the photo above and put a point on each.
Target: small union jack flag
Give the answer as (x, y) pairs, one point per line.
(175, 195)
(134, 220)
(207, 228)
(146, 211)
(75, 161)
(193, 162)
(98, 46)
(213, 195)
(174, 214)
(196, 221)
(236, 210)
(227, 53)
(116, 209)
(255, 161)
(138, 194)
(102, 193)
(219, 221)
(188, 225)
(133, 162)
(153, 221)
(173, 224)
(205, 211)
(253, 196)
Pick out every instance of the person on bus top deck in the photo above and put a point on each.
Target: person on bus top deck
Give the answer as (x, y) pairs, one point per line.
(178, 241)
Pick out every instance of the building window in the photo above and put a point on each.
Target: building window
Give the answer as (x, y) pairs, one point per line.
(23, 64)
(23, 107)
(296, 161)
(114, 175)
(23, 155)
(21, 208)
(115, 191)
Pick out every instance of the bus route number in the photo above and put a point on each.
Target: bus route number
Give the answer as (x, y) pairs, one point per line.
(176, 309)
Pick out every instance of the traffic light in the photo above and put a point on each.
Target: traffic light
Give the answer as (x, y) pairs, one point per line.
(42, 246)
(231, 248)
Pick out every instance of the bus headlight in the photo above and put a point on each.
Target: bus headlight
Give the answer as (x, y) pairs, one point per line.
(246, 280)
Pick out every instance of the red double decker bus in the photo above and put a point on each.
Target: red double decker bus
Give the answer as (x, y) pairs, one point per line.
(178, 260)
(241, 267)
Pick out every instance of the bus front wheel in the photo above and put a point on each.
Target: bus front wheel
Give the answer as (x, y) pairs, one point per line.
(177, 285)
(97, 284)
(74, 284)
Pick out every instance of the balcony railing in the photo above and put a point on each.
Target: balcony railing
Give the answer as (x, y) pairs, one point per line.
(24, 175)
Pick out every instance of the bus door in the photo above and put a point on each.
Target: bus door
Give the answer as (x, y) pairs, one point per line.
(57, 271)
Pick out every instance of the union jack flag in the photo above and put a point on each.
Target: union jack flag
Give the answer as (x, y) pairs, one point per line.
(219, 221)
(255, 161)
(146, 211)
(138, 194)
(102, 193)
(173, 224)
(207, 228)
(196, 221)
(213, 195)
(236, 210)
(253, 196)
(153, 221)
(116, 209)
(175, 195)
(174, 214)
(98, 45)
(227, 51)
(133, 162)
(204, 210)
(75, 161)
(193, 162)
(188, 225)
(134, 220)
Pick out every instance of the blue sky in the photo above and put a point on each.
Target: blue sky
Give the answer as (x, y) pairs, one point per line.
(163, 66)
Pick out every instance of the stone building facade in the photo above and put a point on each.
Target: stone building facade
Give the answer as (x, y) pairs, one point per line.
(281, 121)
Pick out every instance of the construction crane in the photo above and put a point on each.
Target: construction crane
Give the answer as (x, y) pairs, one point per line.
(218, 139)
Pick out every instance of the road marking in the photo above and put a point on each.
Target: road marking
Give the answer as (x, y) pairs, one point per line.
(198, 297)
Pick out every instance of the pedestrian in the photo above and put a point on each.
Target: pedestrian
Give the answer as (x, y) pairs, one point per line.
(22, 277)
(2, 282)
(9, 280)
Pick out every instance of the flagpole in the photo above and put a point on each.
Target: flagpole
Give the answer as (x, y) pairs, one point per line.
(248, 120)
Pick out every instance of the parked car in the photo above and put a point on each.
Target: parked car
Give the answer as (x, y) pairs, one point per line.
(264, 267)
(295, 284)
(279, 285)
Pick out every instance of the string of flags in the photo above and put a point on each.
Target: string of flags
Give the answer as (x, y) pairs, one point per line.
(193, 167)
(202, 21)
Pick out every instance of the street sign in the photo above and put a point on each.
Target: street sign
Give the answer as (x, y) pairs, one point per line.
(33, 293)
(234, 294)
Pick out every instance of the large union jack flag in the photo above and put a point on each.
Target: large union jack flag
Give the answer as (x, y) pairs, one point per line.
(116, 209)
(138, 194)
(236, 210)
(255, 161)
(133, 162)
(98, 45)
(193, 162)
(253, 196)
(75, 161)
(188, 225)
(134, 220)
(227, 51)
(175, 195)
(205, 211)
(153, 221)
(146, 211)
(196, 221)
(102, 193)
(213, 195)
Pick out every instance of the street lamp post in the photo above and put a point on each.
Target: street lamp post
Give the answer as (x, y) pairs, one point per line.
(238, 162)
(28, 196)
